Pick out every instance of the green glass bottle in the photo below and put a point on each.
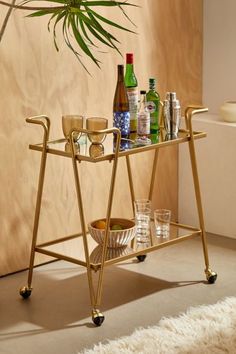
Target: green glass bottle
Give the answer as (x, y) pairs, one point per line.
(131, 84)
(153, 104)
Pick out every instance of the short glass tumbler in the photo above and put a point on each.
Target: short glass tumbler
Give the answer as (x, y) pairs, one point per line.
(96, 123)
(70, 122)
(162, 219)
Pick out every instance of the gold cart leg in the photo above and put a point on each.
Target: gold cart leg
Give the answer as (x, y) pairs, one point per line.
(25, 291)
(131, 186)
(154, 168)
(210, 275)
(82, 220)
(108, 216)
(95, 299)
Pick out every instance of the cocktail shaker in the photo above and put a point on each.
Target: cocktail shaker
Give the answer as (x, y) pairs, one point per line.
(172, 114)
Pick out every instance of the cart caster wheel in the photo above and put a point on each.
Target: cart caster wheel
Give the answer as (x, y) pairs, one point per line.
(141, 258)
(97, 317)
(211, 276)
(25, 292)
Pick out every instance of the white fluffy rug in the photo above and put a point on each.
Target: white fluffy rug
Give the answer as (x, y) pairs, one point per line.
(201, 330)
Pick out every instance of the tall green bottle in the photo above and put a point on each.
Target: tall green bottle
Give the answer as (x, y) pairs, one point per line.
(131, 84)
(153, 105)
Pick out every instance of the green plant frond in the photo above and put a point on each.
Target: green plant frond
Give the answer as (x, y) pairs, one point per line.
(111, 23)
(85, 32)
(81, 42)
(41, 13)
(65, 34)
(104, 32)
(51, 18)
(82, 27)
(106, 3)
(125, 14)
(59, 17)
(96, 30)
(96, 35)
(65, 2)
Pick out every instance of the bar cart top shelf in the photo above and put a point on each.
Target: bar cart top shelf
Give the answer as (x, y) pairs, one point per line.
(85, 151)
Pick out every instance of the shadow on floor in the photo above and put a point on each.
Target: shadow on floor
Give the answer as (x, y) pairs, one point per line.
(57, 303)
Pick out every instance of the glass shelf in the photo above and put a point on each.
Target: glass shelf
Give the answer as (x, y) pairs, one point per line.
(74, 252)
(99, 152)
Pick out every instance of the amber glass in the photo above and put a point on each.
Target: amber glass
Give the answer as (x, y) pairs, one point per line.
(96, 123)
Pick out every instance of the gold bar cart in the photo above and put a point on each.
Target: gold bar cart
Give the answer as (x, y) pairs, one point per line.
(95, 260)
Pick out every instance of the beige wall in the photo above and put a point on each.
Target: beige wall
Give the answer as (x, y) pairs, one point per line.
(219, 71)
(35, 79)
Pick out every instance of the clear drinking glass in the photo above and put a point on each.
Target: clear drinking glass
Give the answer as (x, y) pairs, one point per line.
(70, 122)
(142, 219)
(162, 219)
(96, 123)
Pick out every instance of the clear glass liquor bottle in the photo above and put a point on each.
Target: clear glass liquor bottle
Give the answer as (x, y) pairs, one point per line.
(143, 129)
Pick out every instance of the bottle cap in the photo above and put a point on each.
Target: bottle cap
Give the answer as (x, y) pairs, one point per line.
(142, 92)
(129, 58)
(152, 80)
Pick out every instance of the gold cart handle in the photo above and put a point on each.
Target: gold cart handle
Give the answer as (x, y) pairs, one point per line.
(189, 113)
(45, 122)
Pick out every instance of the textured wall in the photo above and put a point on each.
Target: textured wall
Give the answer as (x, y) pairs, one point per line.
(219, 70)
(35, 79)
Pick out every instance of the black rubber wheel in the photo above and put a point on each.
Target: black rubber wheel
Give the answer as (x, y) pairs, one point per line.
(212, 278)
(25, 292)
(98, 320)
(142, 257)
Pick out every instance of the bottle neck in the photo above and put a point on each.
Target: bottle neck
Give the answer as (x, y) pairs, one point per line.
(120, 73)
(152, 86)
(129, 69)
(143, 102)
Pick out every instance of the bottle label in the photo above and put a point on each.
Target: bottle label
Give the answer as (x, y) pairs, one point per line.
(132, 93)
(121, 120)
(143, 123)
(151, 106)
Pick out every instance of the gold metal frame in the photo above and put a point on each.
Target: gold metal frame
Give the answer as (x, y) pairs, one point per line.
(45, 148)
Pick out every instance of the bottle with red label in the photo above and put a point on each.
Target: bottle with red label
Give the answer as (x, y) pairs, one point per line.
(131, 84)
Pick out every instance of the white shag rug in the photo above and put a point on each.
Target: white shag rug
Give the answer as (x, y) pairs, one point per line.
(201, 330)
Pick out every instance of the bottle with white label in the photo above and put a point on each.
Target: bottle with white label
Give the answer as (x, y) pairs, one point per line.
(131, 84)
(121, 115)
(143, 129)
(153, 103)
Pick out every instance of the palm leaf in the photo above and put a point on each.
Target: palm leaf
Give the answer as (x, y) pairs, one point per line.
(80, 40)
(111, 23)
(41, 13)
(108, 35)
(94, 29)
(67, 41)
(85, 32)
(105, 3)
(59, 17)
